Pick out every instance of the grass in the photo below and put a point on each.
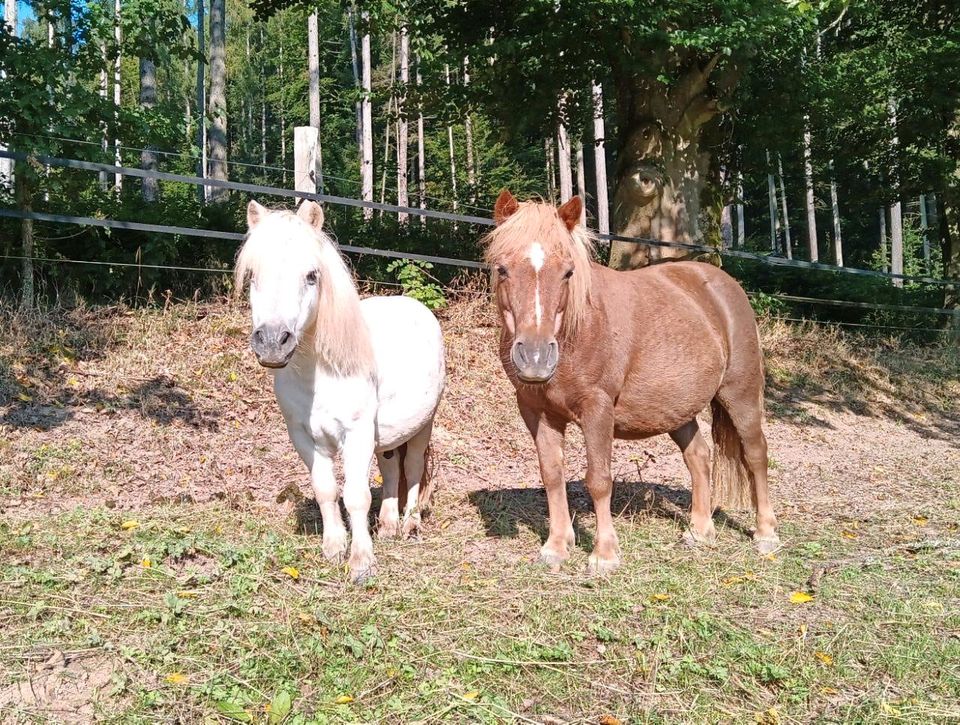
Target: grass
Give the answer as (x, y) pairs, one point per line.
(195, 612)
(118, 603)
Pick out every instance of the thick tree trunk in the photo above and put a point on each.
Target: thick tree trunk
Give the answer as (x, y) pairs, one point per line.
(366, 146)
(421, 156)
(313, 73)
(600, 160)
(787, 241)
(563, 164)
(218, 97)
(403, 132)
(201, 101)
(148, 100)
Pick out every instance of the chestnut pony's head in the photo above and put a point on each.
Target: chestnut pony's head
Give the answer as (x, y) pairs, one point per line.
(540, 260)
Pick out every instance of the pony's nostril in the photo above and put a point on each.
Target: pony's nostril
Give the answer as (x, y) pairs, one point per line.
(258, 336)
(553, 354)
(284, 336)
(521, 354)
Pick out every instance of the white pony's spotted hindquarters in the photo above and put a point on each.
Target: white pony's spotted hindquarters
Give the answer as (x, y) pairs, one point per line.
(351, 377)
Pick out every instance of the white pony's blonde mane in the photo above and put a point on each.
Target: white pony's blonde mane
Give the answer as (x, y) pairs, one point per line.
(536, 220)
(341, 337)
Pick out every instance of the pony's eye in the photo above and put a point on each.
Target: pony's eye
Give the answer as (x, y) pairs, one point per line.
(569, 273)
(501, 270)
(312, 277)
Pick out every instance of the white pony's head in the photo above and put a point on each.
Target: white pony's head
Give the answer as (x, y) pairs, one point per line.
(300, 290)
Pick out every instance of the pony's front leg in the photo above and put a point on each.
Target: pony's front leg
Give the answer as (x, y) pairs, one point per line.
(548, 435)
(357, 454)
(324, 481)
(597, 424)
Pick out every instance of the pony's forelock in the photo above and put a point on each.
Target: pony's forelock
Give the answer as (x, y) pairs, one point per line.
(341, 337)
(539, 221)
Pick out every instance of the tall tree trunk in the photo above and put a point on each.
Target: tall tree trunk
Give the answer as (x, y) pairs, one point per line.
(468, 132)
(925, 234)
(835, 211)
(366, 146)
(551, 178)
(403, 133)
(772, 203)
(812, 249)
(24, 196)
(148, 100)
(421, 157)
(218, 98)
(896, 218)
(883, 239)
(391, 104)
(313, 73)
(117, 157)
(600, 160)
(726, 215)
(263, 108)
(356, 80)
(563, 163)
(201, 101)
(283, 118)
(10, 18)
(787, 241)
(453, 158)
(581, 184)
(948, 212)
(741, 228)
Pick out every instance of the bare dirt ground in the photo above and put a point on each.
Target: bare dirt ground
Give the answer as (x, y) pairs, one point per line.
(129, 410)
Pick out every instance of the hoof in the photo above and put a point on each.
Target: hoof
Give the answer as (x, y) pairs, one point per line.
(767, 544)
(411, 526)
(361, 577)
(601, 567)
(335, 547)
(693, 538)
(388, 529)
(363, 567)
(552, 559)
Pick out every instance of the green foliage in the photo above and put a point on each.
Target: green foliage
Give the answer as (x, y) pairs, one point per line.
(417, 282)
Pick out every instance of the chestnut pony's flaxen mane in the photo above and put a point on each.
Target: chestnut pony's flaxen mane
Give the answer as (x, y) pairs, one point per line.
(536, 221)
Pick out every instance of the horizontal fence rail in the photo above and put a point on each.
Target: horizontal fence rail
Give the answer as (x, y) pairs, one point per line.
(415, 211)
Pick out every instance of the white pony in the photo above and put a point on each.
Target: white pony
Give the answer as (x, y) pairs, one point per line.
(351, 376)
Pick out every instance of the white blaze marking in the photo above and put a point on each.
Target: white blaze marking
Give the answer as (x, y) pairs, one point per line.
(537, 257)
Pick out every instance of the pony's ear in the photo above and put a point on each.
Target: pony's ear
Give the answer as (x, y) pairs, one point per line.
(312, 213)
(255, 213)
(569, 213)
(505, 207)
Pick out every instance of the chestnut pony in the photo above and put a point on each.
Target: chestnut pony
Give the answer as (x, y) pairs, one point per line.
(627, 355)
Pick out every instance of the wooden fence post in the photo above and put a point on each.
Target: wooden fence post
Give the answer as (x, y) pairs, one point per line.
(305, 149)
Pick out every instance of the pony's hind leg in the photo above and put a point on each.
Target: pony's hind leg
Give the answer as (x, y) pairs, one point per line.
(389, 520)
(414, 464)
(696, 454)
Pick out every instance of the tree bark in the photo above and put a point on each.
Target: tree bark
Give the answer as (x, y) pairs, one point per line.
(148, 100)
(201, 102)
(24, 197)
(741, 228)
(453, 158)
(835, 211)
(313, 75)
(403, 132)
(391, 104)
(468, 133)
(896, 218)
(787, 241)
(925, 233)
(948, 212)
(600, 160)
(563, 163)
(218, 98)
(263, 109)
(551, 180)
(366, 146)
(355, 64)
(581, 184)
(10, 18)
(772, 203)
(883, 239)
(812, 249)
(117, 157)
(421, 157)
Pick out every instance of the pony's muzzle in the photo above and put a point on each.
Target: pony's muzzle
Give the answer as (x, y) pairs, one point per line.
(535, 361)
(273, 345)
